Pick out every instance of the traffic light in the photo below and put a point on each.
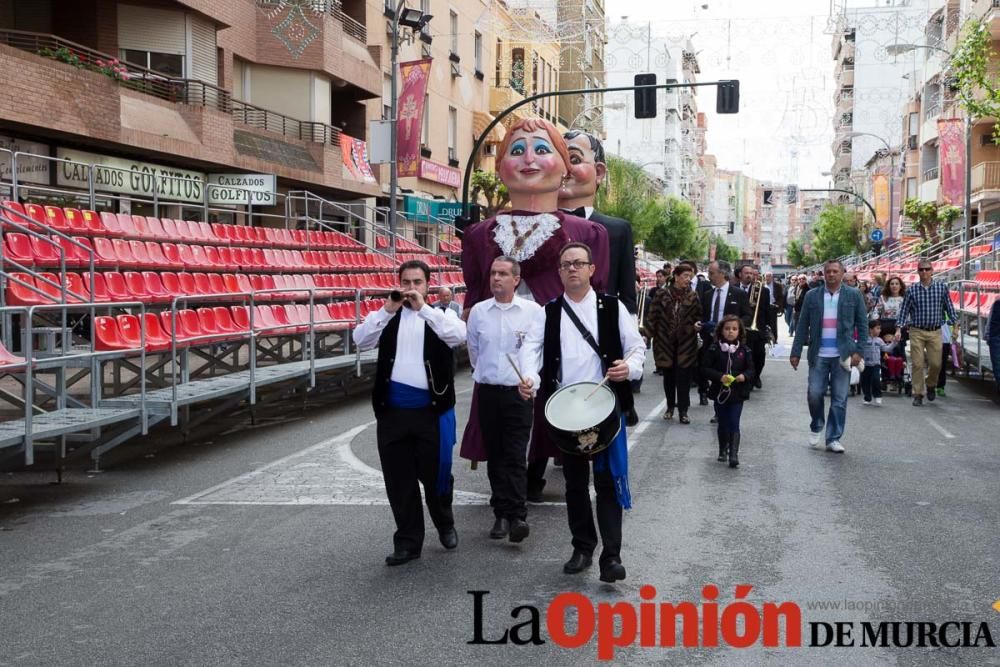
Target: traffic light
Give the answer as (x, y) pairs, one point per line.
(645, 100)
(727, 96)
(877, 249)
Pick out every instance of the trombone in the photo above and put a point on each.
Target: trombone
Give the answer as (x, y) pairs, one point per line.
(641, 307)
(756, 290)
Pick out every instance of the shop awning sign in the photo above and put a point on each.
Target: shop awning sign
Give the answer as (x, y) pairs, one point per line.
(130, 177)
(243, 189)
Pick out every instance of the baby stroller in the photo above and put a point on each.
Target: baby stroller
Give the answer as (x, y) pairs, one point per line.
(896, 371)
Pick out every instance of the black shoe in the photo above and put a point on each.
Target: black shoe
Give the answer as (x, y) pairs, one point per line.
(918, 400)
(400, 556)
(756, 383)
(734, 450)
(500, 529)
(577, 563)
(612, 572)
(518, 530)
(702, 399)
(449, 538)
(684, 419)
(713, 420)
(723, 446)
(930, 394)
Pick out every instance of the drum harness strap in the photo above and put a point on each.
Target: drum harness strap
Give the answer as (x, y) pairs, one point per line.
(587, 336)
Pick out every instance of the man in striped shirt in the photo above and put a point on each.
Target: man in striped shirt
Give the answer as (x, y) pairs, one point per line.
(924, 309)
(834, 324)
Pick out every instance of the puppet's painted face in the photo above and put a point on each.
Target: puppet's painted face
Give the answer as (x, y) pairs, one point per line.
(584, 174)
(532, 165)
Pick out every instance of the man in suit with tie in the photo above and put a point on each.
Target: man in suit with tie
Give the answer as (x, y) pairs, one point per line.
(587, 171)
(719, 300)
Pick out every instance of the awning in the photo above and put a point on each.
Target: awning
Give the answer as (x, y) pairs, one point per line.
(480, 121)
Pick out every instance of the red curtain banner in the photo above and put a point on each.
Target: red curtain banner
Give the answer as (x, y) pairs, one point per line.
(951, 137)
(880, 188)
(410, 115)
(354, 153)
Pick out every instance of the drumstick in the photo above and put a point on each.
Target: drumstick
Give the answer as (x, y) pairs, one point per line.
(514, 366)
(606, 378)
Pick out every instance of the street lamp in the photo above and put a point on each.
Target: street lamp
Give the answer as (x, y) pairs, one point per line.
(896, 49)
(415, 20)
(892, 167)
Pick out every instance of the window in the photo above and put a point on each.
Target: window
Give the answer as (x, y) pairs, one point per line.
(425, 7)
(517, 70)
(534, 74)
(914, 123)
(911, 188)
(478, 41)
(454, 31)
(452, 134)
(168, 64)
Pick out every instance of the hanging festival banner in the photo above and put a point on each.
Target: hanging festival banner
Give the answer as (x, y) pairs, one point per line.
(355, 157)
(951, 135)
(410, 115)
(880, 192)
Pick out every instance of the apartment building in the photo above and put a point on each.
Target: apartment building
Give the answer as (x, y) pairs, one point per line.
(869, 82)
(460, 39)
(168, 96)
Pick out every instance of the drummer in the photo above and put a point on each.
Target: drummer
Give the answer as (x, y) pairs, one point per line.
(587, 336)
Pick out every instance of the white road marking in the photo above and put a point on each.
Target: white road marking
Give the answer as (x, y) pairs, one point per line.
(642, 426)
(940, 429)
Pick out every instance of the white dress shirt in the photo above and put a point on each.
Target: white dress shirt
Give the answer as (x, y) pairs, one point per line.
(579, 361)
(722, 301)
(498, 329)
(408, 368)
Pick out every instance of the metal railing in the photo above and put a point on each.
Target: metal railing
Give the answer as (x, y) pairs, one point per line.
(271, 121)
(352, 27)
(931, 174)
(173, 89)
(986, 176)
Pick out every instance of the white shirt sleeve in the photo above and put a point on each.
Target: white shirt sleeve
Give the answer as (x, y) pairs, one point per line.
(367, 334)
(529, 357)
(445, 323)
(473, 334)
(631, 342)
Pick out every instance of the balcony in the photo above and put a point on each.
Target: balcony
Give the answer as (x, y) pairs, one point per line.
(190, 92)
(986, 182)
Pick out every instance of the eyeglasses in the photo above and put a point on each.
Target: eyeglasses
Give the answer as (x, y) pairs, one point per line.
(577, 264)
(925, 268)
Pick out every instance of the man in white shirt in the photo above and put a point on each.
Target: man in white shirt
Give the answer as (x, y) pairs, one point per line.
(501, 327)
(612, 346)
(414, 402)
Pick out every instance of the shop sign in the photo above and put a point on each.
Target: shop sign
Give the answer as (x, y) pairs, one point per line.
(420, 208)
(130, 177)
(29, 169)
(432, 171)
(255, 189)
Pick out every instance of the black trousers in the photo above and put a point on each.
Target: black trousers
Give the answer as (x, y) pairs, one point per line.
(755, 341)
(576, 470)
(408, 449)
(505, 422)
(677, 386)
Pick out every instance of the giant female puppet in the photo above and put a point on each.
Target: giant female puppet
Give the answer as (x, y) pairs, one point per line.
(533, 162)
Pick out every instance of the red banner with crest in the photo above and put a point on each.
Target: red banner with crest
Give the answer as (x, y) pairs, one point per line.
(410, 115)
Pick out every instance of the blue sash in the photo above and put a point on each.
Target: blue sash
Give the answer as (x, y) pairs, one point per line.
(409, 398)
(615, 459)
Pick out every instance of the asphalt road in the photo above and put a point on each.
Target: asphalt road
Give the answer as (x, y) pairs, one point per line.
(265, 545)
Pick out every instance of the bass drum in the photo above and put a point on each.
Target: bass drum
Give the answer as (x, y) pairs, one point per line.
(580, 425)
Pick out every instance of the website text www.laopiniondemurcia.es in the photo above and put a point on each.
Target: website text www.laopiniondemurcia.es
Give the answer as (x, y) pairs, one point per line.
(738, 624)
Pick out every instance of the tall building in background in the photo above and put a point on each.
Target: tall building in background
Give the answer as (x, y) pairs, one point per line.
(670, 146)
(869, 87)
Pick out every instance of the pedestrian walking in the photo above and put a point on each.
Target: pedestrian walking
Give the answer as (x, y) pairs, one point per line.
(721, 300)
(993, 341)
(673, 323)
(791, 290)
(830, 317)
(414, 402)
(926, 306)
(501, 329)
(871, 376)
(587, 337)
(728, 364)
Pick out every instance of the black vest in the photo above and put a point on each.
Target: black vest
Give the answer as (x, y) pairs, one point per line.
(438, 363)
(609, 342)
